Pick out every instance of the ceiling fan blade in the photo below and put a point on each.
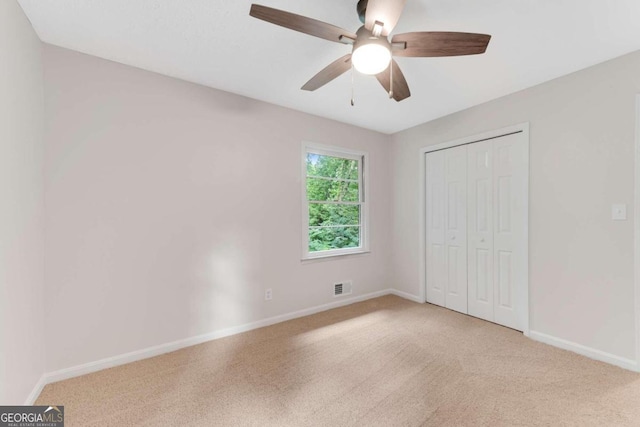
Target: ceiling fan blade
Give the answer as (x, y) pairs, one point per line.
(400, 86)
(428, 44)
(301, 23)
(333, 70)
(386, 11)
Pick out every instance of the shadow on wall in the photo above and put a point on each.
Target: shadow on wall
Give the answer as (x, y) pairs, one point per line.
(234, 294)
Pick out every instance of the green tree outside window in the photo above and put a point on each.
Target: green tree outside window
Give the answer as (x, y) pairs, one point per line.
(334, 197)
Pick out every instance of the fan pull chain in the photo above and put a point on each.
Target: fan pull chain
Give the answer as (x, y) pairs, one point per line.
(353, 101)
(391, 80)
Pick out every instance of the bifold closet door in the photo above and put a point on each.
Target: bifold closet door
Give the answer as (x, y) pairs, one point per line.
(477, 238)
(510, 237)
(435, 244)
(497, 224)
(480, 229)
(446, 206)
(456, 228)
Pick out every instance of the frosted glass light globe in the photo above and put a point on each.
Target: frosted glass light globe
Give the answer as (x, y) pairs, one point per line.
(371, 58)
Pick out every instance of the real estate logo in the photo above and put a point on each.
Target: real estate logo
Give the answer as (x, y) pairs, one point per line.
(31, 416)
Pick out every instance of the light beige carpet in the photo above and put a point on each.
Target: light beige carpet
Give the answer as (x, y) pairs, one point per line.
(383, 362)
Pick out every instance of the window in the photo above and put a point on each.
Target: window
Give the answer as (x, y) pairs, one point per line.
(335, 209)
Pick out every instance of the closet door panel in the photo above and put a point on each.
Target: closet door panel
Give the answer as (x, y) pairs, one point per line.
(435, 208)
(480, 229)
(456, 228)
(509, 227)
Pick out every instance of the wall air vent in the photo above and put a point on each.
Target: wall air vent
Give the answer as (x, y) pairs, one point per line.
(342, 288)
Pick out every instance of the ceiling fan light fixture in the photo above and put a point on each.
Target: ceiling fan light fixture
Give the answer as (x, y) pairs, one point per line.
(371, 48)
(371, 58)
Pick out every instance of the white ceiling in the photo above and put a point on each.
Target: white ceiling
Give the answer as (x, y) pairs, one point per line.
(216, 43)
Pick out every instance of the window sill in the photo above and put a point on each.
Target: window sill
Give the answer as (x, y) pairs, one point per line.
(329, 257)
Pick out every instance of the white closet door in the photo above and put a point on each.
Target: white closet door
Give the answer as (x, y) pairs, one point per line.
(477, 233)
(510, 228)
(435, 207)
(456, 228)
(480, 229)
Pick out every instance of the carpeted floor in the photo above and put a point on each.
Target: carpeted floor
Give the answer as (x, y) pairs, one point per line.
(383, 362)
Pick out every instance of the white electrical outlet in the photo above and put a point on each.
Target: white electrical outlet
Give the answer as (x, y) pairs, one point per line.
(619, 212)
(268, 295)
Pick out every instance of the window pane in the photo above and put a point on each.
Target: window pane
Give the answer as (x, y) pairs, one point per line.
(321, 214)
(331, 167)
(335, 191)
(324, 239)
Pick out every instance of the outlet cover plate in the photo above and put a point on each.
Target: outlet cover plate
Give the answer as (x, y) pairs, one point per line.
(619, 212)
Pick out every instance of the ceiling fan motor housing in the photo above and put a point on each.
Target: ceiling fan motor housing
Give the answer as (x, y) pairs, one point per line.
(365, 36)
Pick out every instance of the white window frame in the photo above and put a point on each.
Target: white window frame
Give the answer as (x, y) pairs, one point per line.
(363, 185)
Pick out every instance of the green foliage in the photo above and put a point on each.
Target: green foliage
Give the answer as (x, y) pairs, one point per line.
(323, 239)
(335, 191)
(325, 215)
(342, 220)
(331, 167)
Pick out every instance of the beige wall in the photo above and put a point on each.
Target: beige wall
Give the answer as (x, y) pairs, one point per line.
(171, 207)
(582, 151)
(21, 207)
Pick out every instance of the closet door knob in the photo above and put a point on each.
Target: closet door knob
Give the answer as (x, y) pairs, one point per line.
(482, 240)
(453, 237)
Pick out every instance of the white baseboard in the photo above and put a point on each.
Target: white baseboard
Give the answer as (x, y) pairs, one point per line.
(134, 356)
(36, 391)
(583, 350)
(146, 353)
(406, 295)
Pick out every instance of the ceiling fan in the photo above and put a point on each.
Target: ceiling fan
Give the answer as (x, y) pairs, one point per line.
(372, 50)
